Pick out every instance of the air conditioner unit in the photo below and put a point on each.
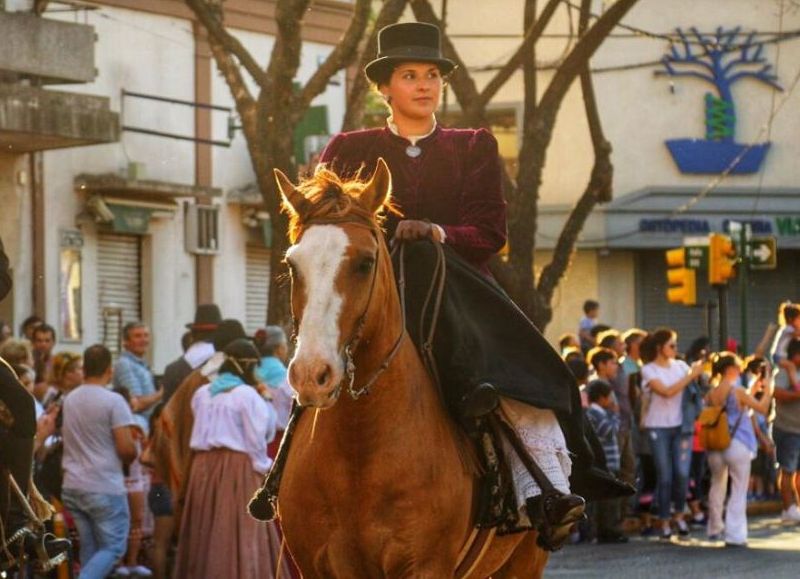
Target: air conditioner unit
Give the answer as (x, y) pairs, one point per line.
(202, 229)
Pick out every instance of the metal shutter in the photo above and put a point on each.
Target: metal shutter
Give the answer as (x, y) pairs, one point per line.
(119, 286)
(257, 287)
(766, 291)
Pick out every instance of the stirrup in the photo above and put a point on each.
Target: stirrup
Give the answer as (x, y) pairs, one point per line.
(565, 509)
(44, 562)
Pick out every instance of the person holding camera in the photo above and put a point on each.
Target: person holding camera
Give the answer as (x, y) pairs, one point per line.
(734, 460)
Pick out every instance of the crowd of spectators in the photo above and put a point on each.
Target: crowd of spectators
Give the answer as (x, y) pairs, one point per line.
(644, 400)
(96, 415)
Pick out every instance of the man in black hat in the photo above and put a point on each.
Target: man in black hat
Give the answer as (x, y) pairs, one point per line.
(17, 433)
(206, 320)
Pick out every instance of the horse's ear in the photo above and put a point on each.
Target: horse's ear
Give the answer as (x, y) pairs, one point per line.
(379, 189)
(293, 200)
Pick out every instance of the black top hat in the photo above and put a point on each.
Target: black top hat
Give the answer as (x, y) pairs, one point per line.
(206, 318)
(408, 42)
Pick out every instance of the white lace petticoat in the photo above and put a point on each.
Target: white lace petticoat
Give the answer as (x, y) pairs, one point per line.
(540, 432)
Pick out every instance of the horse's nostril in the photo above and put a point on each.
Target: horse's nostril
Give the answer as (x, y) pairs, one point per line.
(322, 377)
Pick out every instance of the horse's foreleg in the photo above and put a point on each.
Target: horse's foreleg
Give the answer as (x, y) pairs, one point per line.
(527, 562)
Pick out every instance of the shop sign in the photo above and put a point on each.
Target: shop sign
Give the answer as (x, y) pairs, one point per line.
(721, 59)
(789, 226)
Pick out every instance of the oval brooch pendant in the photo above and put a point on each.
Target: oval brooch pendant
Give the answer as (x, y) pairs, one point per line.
(413, 151)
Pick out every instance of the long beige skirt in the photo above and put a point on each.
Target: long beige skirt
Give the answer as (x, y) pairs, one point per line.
(218, 538)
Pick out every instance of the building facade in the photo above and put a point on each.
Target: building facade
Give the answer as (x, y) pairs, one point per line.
(135, 223)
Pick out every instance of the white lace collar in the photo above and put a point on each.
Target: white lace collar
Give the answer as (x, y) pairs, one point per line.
(412, 139)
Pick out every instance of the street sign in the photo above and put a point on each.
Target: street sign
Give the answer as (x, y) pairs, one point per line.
(762, 253)
(697, 257)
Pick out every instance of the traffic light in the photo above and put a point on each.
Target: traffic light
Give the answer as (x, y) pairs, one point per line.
(721, 259)
(682, 281)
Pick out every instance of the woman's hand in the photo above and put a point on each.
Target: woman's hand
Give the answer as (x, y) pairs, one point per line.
(697, 369)
(412, 229)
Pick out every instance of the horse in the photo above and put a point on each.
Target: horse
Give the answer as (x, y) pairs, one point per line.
(374, 485)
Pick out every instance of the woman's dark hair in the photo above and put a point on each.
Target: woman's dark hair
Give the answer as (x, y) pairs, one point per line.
(788, 313)
(241, 359)
(383, 75)
(654, 341)
(703, 343)
(721, 361)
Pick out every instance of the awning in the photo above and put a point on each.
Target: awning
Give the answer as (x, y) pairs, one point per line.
(661, 217)
(127, 205)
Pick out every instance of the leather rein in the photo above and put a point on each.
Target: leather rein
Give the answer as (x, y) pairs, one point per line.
(350, 346)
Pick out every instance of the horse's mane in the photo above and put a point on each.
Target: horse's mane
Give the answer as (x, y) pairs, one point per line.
(331, 198)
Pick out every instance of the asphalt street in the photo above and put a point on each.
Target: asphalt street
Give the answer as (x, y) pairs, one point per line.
(773, 552)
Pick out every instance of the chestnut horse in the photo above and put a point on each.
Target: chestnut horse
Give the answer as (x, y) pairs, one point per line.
(374, 485)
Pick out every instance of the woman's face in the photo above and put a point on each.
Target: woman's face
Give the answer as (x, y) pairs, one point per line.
(73, 377)
(670, 349)
(413, 90)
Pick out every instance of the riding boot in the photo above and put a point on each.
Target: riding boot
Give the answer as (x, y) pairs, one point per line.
(553, 512)
(264, 503)
(480, 401)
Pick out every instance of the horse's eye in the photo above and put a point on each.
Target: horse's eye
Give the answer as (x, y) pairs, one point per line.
(365, 265)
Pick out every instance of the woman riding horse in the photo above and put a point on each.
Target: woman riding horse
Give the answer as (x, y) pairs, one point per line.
(446, 183)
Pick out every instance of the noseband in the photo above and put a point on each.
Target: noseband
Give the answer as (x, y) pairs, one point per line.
(351, 345)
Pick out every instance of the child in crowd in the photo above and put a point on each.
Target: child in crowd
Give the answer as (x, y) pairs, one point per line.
(137, 485)
(603, 415)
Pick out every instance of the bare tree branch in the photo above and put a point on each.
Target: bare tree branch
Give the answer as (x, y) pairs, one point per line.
(532, 35)
(340, 57)
(285, 59)
(208, 17)
(357, 97)
(582, 52)
(598, 190)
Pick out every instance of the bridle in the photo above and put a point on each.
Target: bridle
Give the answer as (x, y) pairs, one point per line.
(351, 345)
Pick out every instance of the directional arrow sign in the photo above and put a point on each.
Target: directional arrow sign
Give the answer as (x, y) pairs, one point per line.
(762, 253)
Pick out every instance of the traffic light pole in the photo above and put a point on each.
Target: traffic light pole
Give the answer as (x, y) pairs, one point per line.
(709, 308)
(744, 266)
(722, 300)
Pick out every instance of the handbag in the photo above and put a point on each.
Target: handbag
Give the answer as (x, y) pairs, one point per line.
(715, 433)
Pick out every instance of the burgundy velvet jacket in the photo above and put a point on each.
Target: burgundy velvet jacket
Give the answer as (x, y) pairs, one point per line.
(455, 183)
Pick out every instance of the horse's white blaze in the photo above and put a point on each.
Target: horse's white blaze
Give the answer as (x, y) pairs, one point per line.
(317, 258)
